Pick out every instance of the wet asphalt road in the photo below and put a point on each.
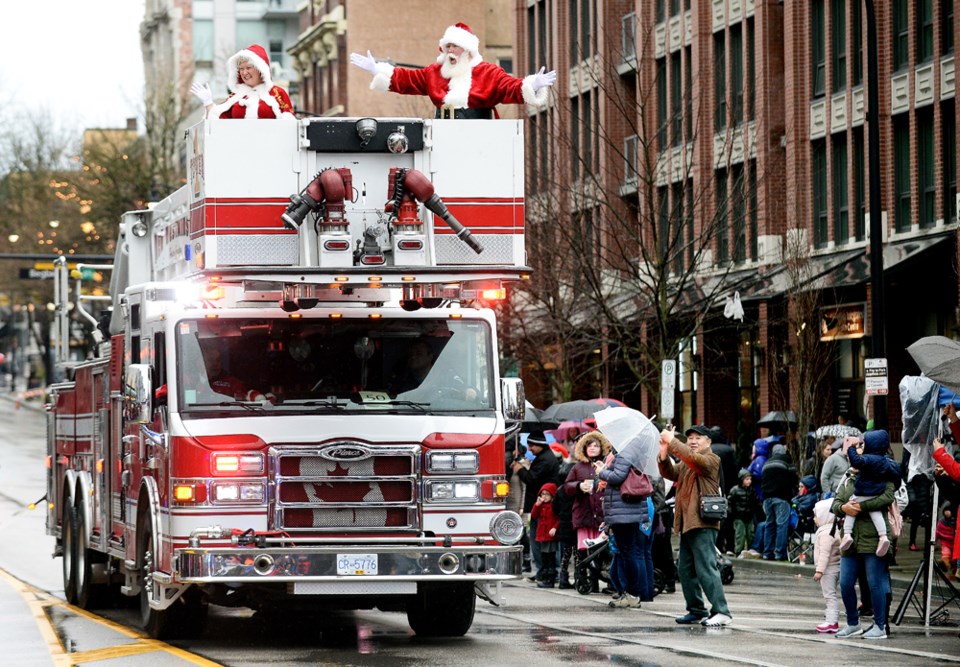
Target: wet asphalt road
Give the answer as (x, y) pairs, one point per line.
(774, 615)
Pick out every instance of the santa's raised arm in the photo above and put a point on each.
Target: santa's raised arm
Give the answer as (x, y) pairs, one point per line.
(460, 80)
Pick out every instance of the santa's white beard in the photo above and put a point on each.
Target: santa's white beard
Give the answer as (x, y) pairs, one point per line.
(462, 67)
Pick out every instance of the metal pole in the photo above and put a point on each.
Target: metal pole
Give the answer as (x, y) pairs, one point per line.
(876, 214)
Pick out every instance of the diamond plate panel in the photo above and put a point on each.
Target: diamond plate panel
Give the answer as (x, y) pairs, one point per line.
(497, 249)
(257, 250)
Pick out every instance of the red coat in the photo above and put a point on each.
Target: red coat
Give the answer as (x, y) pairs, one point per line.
(547, 521)
(273, 103)
(953, 469)
(489, 85)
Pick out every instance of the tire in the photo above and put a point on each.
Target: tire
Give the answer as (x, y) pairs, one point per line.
(68, 534)
(582, 581)
(82, 566)
(442, 610)
(186, 617)
(726, 575)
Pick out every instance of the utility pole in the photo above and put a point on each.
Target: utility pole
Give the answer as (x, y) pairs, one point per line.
(876, 215)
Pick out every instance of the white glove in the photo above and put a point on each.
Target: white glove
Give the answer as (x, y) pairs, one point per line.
(543, 78)
(364, 62)
(202, 91)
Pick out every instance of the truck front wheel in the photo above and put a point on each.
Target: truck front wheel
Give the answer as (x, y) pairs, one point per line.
(68, 536)
(442, 610)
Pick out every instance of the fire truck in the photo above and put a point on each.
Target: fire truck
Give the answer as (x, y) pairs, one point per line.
(295, 399)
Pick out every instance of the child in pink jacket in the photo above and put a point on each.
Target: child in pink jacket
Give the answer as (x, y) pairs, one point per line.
(826, 560)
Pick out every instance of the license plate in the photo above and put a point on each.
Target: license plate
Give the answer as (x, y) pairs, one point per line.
(357, 564)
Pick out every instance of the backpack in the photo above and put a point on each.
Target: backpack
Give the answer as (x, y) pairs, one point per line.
(894, 514)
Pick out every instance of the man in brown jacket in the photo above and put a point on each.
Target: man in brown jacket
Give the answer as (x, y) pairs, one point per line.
(699, 468)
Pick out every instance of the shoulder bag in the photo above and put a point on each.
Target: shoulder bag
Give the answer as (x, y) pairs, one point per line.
(636, 487)
(713, 506)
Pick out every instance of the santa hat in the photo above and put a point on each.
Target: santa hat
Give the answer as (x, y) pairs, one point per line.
(461, 35)
(256, 56)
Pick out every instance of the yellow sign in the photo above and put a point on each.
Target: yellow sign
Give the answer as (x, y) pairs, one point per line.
(847, 321)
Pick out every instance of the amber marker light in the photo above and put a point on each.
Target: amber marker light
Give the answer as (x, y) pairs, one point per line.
(408, 279)
(496, 294)
(502, 489)
(48, 462)
(211, 316)
(374, 279)
(456, 316)
(340, 279)
(375, 316)
(184, 493)
(99, 466)
(336, 316)
(295, 316)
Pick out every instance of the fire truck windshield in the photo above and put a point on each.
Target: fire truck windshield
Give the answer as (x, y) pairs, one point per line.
(231, 366)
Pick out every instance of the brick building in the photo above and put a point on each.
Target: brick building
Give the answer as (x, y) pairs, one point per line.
(745, 160)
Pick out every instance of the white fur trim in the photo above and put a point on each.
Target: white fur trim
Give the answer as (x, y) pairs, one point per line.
(381, 80)
(538, 98)
(462, 38)
(458, 90)
(257, 61)
(249, 98)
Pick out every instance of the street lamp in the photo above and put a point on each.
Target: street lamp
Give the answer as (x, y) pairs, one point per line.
(13, 238)
(54, 224)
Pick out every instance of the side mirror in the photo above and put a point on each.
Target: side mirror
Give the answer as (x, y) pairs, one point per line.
(512, 399)
(137, 394)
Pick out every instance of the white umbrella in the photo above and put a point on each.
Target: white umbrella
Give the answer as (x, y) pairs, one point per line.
(632, 433)
(939, 359)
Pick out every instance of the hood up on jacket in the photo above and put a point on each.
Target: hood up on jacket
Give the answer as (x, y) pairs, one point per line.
(876, 442)
(580, 450)
(822, 513)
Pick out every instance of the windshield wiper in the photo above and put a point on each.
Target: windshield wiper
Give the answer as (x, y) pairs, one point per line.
(325, 403)
(409, 404)
(252, 406)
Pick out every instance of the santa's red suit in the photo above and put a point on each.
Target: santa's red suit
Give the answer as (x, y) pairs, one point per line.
(261, 101)
(480, 86)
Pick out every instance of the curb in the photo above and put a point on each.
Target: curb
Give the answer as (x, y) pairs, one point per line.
(900, 576)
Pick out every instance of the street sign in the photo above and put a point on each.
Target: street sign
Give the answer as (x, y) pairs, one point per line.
(32, 273)
(875, 377)
(668, 385)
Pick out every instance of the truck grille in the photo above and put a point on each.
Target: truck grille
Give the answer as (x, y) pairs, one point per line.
(344, 487)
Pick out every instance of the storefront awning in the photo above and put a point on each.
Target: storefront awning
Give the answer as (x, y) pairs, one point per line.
(896, 256)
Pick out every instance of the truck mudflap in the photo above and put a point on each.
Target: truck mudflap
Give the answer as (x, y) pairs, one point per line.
(373, 564)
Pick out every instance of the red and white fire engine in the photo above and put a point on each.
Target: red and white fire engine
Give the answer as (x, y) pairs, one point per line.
(296, 398)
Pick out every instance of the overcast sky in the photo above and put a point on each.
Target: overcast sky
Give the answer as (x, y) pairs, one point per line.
(77, 59)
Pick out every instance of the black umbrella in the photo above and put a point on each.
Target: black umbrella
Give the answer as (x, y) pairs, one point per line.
(533, 420)
(779, 418)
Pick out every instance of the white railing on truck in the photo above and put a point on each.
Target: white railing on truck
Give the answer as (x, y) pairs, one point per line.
(62, 300)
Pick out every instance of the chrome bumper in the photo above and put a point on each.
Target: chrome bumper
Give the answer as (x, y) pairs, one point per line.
(477, 563)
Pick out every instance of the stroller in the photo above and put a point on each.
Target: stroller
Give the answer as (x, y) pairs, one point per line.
(595, 566)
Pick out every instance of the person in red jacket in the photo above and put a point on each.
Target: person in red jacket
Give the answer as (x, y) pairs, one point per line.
(547, 524)
(252, 93)
(460, 80)
(949, 465)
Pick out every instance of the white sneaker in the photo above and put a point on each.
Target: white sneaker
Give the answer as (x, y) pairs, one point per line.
(849, 631)
(625, 600)
(716, 621)
(883, 546)
(875, 632)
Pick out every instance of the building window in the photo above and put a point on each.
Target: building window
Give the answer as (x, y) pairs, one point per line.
(858, 183)
(751, 84)
(630, 159)
(674, 7)
(723, 229)
(819, 169)
(688, 90)
(901, 34)
(581, 31)
(203, 40)
(818, 47)
(533, 173)
(946, 25)
(924, 30)
(676, 100)
(575, 128)
(949, 136)
(838, 14)
(856, 17)
(662, 103)
(678, 221)
(901, 166)
(589, 136)
(754, 214)
(663, 226)
(739, 210)
(841, 199)
(926, 180)
(506, 64)
(720, 81)
(660, 11)
(628, 36)
(736, 74)
(688, 213)
(687, 380)
(531, 39)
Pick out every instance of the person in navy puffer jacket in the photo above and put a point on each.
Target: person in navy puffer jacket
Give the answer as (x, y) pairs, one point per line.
(635, 558)
(876, 469)
(761, 452)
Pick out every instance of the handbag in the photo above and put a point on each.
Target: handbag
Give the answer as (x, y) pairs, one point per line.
(636, 487)
(713, 507)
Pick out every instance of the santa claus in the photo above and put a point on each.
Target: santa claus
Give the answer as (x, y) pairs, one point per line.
(460, 80)
(253, 94)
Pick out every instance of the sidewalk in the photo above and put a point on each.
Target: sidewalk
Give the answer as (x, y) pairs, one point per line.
(23, 620)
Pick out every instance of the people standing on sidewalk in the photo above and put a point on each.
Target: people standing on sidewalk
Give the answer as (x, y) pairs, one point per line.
(534, 474)
(779, 485)
(761, 452)
(566, 533)
(634, 561)
(950, 466)
(697, 473)
(743, 503)
(862, 557)
(826, 561)
(546, 536)
(582, 484)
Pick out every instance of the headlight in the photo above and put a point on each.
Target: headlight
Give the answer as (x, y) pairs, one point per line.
(506, 527)
(453, 490)
(453, 461)
(237, 492)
